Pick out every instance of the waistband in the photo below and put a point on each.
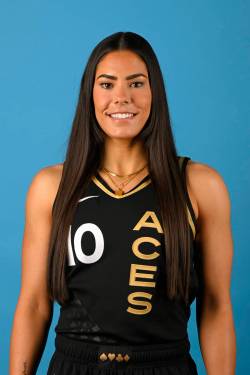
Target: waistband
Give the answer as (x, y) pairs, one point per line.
(121, 355)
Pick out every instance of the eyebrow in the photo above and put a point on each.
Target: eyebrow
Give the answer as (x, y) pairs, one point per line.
(128, 77)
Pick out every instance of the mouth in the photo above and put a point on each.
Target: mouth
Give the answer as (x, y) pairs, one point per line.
(122, 116)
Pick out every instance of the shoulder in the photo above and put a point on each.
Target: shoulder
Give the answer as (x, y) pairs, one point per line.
(203, 172)
(44, 185)
(207, 188)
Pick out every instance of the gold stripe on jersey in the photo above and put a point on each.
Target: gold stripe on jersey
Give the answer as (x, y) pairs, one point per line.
(141, 186)
(101, 186)
(190, 218)
(191, 222)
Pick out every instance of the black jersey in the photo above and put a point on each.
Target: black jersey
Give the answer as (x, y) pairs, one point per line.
(116, 269)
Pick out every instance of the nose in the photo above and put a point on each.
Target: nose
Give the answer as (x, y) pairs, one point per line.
(121, 94)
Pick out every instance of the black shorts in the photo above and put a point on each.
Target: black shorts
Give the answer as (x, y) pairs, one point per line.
(75, 357)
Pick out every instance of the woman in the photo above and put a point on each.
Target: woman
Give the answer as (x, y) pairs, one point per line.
(124, 235)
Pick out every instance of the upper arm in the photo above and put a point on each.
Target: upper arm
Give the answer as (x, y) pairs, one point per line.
(39, 200)
(214, 237)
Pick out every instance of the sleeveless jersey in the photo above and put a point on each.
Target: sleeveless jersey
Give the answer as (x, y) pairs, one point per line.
(116, 269)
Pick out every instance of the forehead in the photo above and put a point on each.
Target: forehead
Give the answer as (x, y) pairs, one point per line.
(119, 61)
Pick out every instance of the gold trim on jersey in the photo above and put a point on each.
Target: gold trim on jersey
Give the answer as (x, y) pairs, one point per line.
(191, 222)
(101, 186)
(190, 218)
(141, 186)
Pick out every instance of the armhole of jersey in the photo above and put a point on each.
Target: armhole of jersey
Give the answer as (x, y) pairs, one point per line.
(183, 160)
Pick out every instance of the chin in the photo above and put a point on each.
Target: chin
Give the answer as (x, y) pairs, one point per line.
(121, 134)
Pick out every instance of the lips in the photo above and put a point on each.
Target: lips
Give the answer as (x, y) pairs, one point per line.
(113, 113)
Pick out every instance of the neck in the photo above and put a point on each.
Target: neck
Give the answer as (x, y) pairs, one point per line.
(122, 158)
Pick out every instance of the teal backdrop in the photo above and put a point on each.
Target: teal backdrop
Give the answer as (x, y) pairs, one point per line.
(204, 51)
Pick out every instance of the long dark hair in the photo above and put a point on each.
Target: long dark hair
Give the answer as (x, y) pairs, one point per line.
(83, 158)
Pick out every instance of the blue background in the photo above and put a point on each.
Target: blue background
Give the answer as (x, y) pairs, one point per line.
(203, 50)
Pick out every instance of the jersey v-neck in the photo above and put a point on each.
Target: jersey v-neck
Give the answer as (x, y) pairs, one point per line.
(103, 185)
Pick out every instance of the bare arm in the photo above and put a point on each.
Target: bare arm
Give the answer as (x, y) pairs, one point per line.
(34, 309)
(214, 241)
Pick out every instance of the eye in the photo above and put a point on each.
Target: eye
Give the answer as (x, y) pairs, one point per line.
(105, 83)
(140, 83)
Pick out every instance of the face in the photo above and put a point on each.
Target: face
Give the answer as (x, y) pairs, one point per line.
(122, 86)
